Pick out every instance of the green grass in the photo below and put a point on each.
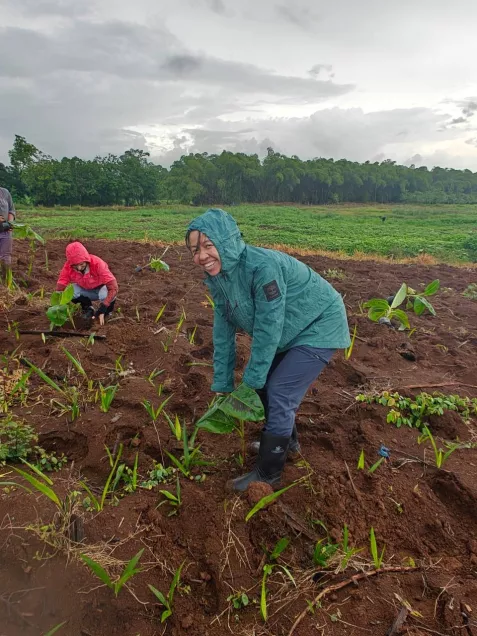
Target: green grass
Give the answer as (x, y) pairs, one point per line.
(448, 233)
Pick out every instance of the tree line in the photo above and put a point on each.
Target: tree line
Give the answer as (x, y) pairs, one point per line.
(226, 178)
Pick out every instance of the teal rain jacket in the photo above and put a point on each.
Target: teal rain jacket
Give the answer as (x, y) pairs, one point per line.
(279, 301)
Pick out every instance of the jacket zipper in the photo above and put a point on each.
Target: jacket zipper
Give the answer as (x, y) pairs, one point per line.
(227, 299)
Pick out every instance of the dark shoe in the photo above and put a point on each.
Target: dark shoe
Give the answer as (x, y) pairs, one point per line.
(84, 301)
(270, 462)
(88, 313)
(294, 448)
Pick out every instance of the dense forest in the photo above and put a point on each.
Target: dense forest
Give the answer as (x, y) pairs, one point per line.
(200, 179)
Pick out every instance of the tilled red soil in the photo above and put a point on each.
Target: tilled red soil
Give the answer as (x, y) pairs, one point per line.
(416, 510)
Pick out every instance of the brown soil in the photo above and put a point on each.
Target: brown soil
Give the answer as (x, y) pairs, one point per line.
(416, 510)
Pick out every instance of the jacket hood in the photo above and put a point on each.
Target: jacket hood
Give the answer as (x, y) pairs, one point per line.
(220, 227)
(77, 253)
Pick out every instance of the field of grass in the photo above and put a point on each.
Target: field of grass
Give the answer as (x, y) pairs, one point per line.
(449, 233)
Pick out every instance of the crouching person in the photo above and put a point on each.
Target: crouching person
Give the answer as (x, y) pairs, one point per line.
(92, 281)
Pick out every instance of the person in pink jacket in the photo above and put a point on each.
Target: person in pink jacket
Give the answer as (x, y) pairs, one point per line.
(92, 280)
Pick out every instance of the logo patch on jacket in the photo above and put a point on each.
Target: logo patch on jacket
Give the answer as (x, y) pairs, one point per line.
(272, 291)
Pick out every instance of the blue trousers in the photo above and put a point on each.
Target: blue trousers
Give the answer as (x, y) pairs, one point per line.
(289, 378)
(97, 293)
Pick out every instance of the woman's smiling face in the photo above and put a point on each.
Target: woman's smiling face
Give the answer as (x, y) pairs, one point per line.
(204, 253)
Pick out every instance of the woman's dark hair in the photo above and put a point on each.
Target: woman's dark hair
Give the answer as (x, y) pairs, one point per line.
(187, 240)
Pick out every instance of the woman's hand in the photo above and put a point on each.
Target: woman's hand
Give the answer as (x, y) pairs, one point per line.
(100, 314)
(101, 319)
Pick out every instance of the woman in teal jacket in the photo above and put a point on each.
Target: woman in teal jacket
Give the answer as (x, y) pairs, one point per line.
(296, 320)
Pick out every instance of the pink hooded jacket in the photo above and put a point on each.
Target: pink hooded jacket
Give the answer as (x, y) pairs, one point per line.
(98, 274)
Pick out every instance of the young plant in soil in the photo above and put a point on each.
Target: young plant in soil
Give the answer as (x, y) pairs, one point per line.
(56, 532)
(16, 440)
(49, 462)
(153, 375)
(80, 369)
(348, 551)
(111, 482)
(18, 443)
(324, 550)
(174, 500)
(182, 319)
(159, 313)
(373, 468)
(70, 394)
(106, 396)
(380, 310)
(55, 629)
(191, 336)
(23, 231)
(154, 412)
(268, 499)
(385, 310)
(129, 571)
(158, 475)
(126, 475)
(175, 426)
(418, 301)
(228, 414)
(167, 602)
(329, 555)
(440, 456)
(470, 291)
(61, 308)
(14, 384)
(6, 278)
(377, 558)
(190, 457)
(271, 563)
(349, 350)
(158, 266)
(239, 600)
(414, 412)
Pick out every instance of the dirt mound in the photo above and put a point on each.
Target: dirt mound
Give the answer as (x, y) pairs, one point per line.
(423, 516)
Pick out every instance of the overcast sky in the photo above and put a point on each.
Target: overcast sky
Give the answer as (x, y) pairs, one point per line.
(314, 78)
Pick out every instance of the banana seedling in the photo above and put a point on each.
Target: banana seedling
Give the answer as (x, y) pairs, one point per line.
(228, 414)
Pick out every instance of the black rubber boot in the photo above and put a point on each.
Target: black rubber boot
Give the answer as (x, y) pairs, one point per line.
(294, 448)
(86, 306)
(270, 462)
(84, 301)
(88, 313)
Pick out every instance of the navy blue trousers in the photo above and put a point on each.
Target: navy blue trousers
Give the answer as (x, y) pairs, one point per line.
(289, 378)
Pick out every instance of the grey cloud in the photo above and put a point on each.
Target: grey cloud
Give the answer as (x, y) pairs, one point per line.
(331, 132)
(467, 105)
(217, 6)
(180, 65)
(302, 17)
(154, 54)
(63, 8)
(458, 120)
(471, 142)
(73, 84)
(320, 68)
(415, 160)
(470, 108)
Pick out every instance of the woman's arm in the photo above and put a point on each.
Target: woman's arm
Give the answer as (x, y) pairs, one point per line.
(11, 208)
(224, 351)
(269, 289)
(112, 287)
